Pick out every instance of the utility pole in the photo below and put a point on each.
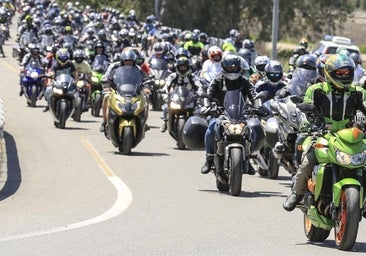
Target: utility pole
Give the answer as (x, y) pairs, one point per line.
(276, 11)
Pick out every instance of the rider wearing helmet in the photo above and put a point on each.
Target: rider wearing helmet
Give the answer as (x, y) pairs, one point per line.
(300, 50)
(359, 70)
(83, 67)
(259, 63)
(320, 62)
(62, 65)
(337, 100)
(181, 76)
(212, 66)
(128, 58)
(230, 79)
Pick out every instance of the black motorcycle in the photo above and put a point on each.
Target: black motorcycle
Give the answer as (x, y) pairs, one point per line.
(159, 72)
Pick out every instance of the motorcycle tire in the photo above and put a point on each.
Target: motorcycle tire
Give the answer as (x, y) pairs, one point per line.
(78, 109)
(64, 109)
(127, 138)
(273, 166)
(97, 105)
(33, 96)
(180, 126)
(264, 152)
(313, 233)
(348, 218)
(235, 171)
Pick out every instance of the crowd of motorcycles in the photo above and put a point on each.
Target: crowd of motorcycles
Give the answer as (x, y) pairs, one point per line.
(266, 139)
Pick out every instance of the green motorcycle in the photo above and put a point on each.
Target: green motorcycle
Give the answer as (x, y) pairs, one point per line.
(334, 197)
(96, 97)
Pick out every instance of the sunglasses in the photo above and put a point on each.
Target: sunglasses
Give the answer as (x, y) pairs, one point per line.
(343, 72)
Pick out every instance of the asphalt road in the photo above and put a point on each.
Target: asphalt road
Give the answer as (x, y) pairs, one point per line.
(69, 192)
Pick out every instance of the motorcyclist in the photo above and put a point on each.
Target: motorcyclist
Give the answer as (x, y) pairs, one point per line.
(231, 78)
(212, 67)
(359, 70)
(300, 50)
(181, 76)
(34, 55)
(83, 67)
(62, 65)
(337, 100)
(193, 45)
(259, 63)
(128, 58)
(28, 27)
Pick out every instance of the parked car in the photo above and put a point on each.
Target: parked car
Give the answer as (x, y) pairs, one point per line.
(330, 44)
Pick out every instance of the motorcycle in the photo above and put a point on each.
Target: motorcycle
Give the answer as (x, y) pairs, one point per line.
(96, 98)
(127, 110)
(62, 99)
(159, 70)
(237, 135)
(335, 192)
(181, 105)
(81, 98)
(283, 127)
(32, 83)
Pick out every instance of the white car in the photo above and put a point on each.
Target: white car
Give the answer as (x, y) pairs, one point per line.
(330, 44)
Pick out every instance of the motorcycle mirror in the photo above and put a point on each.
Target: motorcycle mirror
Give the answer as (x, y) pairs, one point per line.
(296, 99)
(307, 108)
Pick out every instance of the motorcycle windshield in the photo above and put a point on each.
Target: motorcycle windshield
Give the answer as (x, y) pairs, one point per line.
(158, 64)
(234, 105)
(127, 80)
(301, 80)
(63, 80)
(100, 63)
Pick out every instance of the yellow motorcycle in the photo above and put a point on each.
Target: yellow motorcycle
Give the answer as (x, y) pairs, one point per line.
(128, 109)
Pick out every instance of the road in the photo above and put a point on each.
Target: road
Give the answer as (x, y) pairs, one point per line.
(69, 192)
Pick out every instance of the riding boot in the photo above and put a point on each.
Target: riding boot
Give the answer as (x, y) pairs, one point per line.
(206, 168)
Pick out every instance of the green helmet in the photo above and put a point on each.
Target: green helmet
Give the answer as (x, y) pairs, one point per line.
(339, 71)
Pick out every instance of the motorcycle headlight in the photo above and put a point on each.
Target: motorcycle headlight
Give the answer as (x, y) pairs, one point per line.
(57, 91)
(346, 159)
(34, 75)
(161, 83)
(234, 129)
(174, 105)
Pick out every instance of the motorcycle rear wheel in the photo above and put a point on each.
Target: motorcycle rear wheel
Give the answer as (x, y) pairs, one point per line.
(235, 173)
(127, 137)
(97, 105)
(348, 218)
(313, 233)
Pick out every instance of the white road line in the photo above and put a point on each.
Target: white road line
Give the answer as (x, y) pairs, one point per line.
(124, 199)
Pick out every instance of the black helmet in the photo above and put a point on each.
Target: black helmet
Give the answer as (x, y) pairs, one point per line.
(231, 66)
(306, 61)
(356, 57)
(274, 71)
(79, 56)
(98, 44)
(182, 66)
(246, 54)
(181, 52)
(194, 132)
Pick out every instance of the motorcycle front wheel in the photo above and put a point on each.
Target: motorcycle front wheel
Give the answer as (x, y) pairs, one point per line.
(64, 109)
(33, 96)
(348, 218)
(97, 105)
(235, 171)
(180, 126)
(127, 138)
(78, 109)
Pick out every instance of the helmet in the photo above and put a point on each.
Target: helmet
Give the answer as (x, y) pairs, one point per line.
(303, 42)
(233, 32)
(79, 56)
(68, 29)
(248, 44)
(339, 71)
(320, 62)
(128, 55)
(273, 71)
(62, 56)
(158, 48)
(182, 66)
(98, 44)
(231, 65)
(28, 18)
(246, 54)
(140, 59)
(306, 61)
(356, 57)
(33, 48)
(215, 51)
(102, 35)
(203, 36)
(260, 62)
(181, 52)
